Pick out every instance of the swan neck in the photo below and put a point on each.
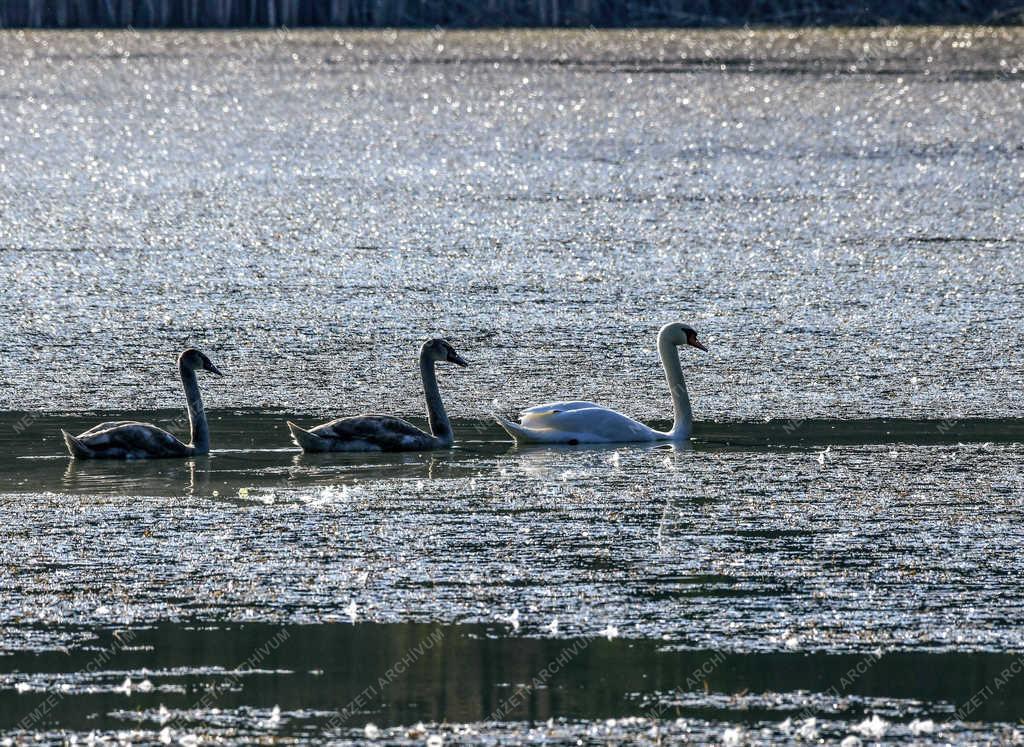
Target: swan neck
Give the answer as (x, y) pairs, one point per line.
(199, 429)
(682, 418)
(440, 427)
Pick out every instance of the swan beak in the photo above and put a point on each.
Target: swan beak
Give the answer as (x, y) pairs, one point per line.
(457, 359)
(697, 344)
(213, 369)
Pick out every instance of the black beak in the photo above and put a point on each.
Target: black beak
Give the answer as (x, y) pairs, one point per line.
(212, 369)
(457, 359)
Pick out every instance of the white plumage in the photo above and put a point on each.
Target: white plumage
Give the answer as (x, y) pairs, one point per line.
(580, 422)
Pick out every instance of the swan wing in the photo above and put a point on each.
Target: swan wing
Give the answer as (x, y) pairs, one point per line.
(522, 434)
(537, 416)
(581, 425)
(108, 425)
(372, 433)
(598, 425)
(131, 440)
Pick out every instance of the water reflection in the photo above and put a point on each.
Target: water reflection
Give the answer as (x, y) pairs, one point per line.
(340, 676)
(251, 451)
(225, 473)
(147, 476)
(560, 462)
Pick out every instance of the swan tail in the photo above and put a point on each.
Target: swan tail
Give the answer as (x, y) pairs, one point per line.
(306, 440)
(521, 434)
(76, 447)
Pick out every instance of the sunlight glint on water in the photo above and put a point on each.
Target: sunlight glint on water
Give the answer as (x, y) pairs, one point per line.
(308, 206)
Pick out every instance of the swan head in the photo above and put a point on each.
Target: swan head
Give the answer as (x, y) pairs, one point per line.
(680, 334)
(442, 350)
(193, 360)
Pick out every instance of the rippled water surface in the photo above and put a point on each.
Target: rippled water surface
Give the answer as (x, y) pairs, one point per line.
(839, 214)
(836, 555)
(747, 584)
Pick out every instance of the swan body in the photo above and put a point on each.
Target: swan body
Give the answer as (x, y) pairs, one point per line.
(584, 423)
(130, 439)
(580, 422)
(384, 432)
(363, 433)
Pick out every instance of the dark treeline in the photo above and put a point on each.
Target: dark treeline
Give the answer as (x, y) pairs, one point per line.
(482, 13)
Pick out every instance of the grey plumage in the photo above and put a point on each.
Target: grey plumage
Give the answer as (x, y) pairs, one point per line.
(385, 432)
(363, 433)
(130, 439)
(126, 440)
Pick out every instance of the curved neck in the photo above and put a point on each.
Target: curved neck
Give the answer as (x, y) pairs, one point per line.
(198, 429)
(682, 420)
(439, 425)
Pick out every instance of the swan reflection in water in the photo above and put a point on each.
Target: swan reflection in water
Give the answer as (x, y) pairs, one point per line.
(318, 468)
(553, 463)
(225, 473)
(142, 477)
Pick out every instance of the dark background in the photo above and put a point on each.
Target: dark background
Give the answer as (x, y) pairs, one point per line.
(491, 13)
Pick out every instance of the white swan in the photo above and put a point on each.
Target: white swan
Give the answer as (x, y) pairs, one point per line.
(578, 422)
(383, 432)
(129, 439)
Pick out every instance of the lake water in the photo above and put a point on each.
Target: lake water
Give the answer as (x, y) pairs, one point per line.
(837, 554)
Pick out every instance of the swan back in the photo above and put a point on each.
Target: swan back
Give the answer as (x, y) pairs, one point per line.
(581, 425)
(126, 440)
(539, 416)
(363, 433)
